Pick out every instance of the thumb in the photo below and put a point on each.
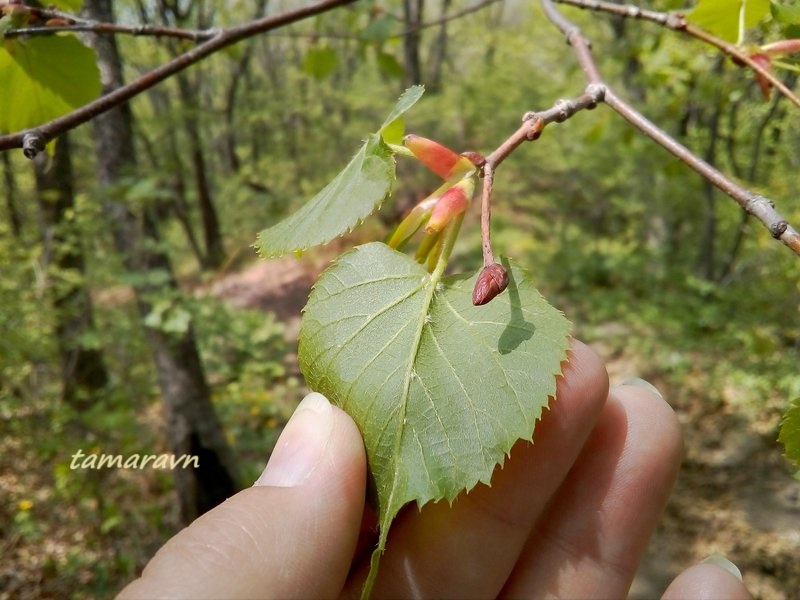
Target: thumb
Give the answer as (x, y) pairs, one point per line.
(291, 535)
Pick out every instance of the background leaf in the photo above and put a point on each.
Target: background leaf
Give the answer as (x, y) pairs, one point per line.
(351, 197)
(43, 78)
(440, 389)
(320, 62)
(722, 17)
(790, 432)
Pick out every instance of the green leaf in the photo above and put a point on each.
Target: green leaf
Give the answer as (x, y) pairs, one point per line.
(346, 201)
(440, 389)
(320, 62)
(67, 5)
(353, 195)
(790, 432)
(389, 65)
(44, 78)
(393, 127)
(787, 14)
(723, 18)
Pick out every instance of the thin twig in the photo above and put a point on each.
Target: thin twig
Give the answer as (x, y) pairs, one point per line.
(533, 123)
(32, 139)
(677, 22)
(757, 205)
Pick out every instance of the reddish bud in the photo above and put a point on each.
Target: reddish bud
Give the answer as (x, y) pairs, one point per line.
(439, 159)
(781, 48)
(476, 158)
(453, 202)
(492, 281)
(765, 62)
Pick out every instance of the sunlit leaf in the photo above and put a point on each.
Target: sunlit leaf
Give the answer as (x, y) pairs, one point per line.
(354, 194)
(43, 78)
(440, 389)
(724, 17)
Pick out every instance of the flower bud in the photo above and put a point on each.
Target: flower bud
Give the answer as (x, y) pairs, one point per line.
(439, 159)
(765, 62)
(453, 202)
(492, 280)
(412, 222)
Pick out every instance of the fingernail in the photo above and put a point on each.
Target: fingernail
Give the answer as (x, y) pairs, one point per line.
(723, 563)
(301, 445)
(646, 385)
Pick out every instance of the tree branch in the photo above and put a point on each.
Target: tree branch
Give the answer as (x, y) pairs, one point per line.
(757, 205)
(677, 22)
(33, 140)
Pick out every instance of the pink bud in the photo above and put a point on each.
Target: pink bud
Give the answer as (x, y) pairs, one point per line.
(781, 48)
(764, 62)
(492, 281)
(453, 202)
(439, 159)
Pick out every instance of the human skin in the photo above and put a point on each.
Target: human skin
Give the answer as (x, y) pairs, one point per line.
(566, 517)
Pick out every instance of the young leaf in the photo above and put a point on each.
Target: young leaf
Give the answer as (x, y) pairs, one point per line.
(43, 78)
(393, 128)
(353, 195)
(439, 388)
(724, 18)
(790, 432)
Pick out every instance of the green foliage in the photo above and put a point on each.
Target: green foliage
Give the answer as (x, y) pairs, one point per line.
(43, 78)
(320, 61)
(726, 18)
(439, 388)
(790, 432)
(347, 200)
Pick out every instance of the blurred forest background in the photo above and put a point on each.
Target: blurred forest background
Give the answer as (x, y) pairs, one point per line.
(124, 258)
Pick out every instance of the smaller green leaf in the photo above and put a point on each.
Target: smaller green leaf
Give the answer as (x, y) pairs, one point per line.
(320, 62)
(346, 201)
(380, 28)
(353, 195)
(393, 127)
(723, 17)
(790, 432)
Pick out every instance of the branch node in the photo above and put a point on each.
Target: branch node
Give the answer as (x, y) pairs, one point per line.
(778, 229)
(597, 92)
(528, 116)
(33, 143)
(563, 110)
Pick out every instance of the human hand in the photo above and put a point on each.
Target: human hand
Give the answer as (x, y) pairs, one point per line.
(566, 517)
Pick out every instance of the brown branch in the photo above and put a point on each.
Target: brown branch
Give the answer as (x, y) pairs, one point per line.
(757, 205)
(32, 141)
(677, 22)
(533, 123)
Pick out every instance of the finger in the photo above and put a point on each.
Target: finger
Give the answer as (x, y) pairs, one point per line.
(469, 549)
(301, 517)
(708, 581)
(589, 541)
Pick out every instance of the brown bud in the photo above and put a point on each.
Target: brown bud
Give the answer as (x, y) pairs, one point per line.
(492, 280)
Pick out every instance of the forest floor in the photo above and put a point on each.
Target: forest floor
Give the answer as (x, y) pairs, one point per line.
(735, 494)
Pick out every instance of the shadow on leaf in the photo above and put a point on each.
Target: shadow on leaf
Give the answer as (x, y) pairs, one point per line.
(518, 329)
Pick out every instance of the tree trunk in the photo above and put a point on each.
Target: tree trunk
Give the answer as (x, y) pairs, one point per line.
(412, 19)
(83, 371)
(215, 252)
(192, 425)
(439, 53)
